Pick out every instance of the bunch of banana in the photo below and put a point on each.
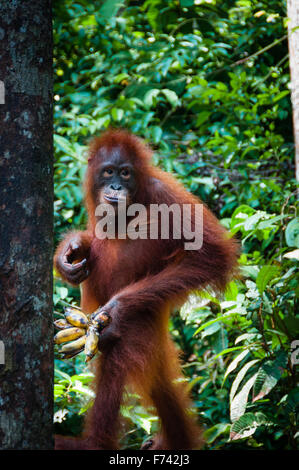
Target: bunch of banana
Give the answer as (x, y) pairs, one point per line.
(80, 332)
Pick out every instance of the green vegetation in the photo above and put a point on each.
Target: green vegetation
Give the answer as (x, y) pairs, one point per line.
(207, 84)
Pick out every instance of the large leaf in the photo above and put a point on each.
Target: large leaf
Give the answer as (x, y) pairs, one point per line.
(110, 8)
(239, 402)
(215, 431)
(292, 254)
(150, 96)
(268, 376)
(246, 425)
(291, 402)
(212, 322)
(292, 233)
(63, 144)
(235, 362)
(202, 117)
(171, 97)
(265, 275)
(240, 376)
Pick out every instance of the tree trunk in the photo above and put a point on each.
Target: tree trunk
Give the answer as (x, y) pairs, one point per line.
(293, 15)
(26, 189)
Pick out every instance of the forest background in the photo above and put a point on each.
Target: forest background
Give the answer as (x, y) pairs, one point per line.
(207, 84)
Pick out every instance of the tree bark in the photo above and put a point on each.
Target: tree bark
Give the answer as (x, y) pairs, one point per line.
(293, 15)
(26, 231)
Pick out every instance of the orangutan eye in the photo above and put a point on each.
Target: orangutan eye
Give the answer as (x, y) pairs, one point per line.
(108, 172)
(125, 174)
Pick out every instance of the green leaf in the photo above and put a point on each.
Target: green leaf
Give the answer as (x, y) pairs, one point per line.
(171, 96)
(268, 376)
(156, 133)
(250, 271)
(247, 424)
(79, 388)
(294, 254)
(139, 417)
(281, 95)
(215, 320)
(251, 221)
(265, 275)
(120, 77)
(240, 376)
(291, 402)
(202, 117)
(228, 350)
(245, 336)
(62, 291)
(210, 329)
(80, 98)
(239, 402)
(149, 97)
(231, 291)
(63, 144)
(292, 233)
(292, 324)
(211, 434)
(186, 3)
(117, 114)
(110, 8)
(64, 375)
(235, 362)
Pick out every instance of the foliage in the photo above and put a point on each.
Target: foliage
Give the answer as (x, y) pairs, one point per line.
(207, 84)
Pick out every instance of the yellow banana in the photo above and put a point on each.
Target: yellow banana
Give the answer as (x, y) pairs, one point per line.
(79, 332)
(91, 344)
(74, 347)
(70, 355)
(101, 319)
(68, 334)
(61, 324)
(75, 317)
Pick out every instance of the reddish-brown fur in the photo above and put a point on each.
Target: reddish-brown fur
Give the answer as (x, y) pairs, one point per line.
(139, 282)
